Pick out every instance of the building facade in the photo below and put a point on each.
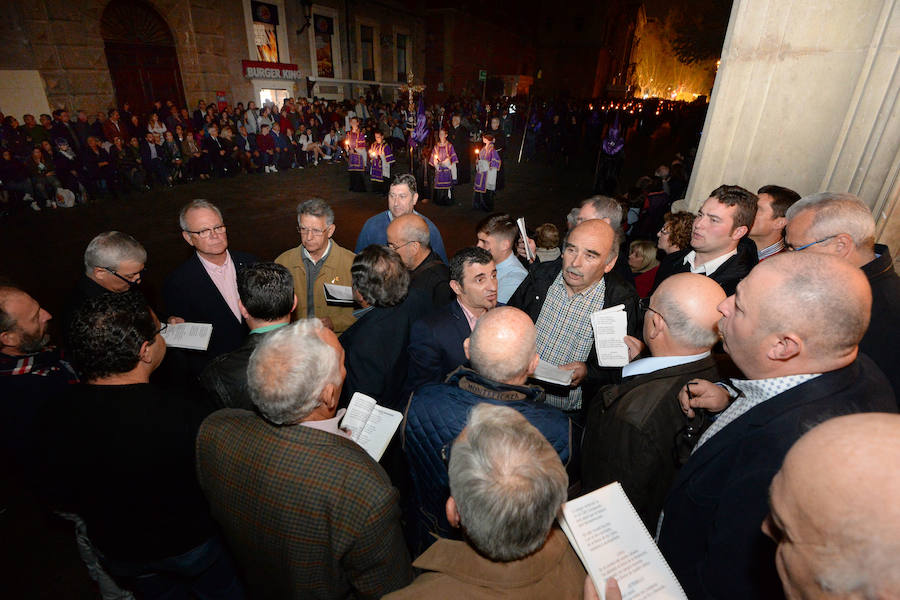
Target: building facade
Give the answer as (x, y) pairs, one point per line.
(94, 54)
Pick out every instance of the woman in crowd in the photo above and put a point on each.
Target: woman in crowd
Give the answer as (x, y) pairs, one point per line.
(67, 166)
(127, 161)
(154, 125)
(190, 152)
(444, 159)
(43, 178)
(331, 143)
(251, 118)
(643, 264)
(265, 117)
(675, 234)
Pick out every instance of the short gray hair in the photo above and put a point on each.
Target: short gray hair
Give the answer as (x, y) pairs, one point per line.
(507, 481)
(835, 213)
(194, 204)
(683, 329)
(110, 248)
(608, 208)
(572, 217)
(288, 371)
(316, 207)
(380, 277)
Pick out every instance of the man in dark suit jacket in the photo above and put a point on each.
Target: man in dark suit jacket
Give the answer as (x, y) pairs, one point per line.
(792, 328)
(635, 431)
(377, 343)
(203, 289)
(436, 341)
(153, 159)
(720, 248)
(408, 235)
(307, 513)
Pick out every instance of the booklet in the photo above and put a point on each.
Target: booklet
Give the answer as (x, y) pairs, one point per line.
(341, 295)
(193, 336)
(524, 233)
(611, 540)
(371, 426)
(610, 328)
(552, 374)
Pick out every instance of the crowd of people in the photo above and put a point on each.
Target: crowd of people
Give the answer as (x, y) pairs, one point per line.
(227, 473)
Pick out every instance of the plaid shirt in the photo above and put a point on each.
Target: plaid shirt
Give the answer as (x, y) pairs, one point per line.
(564, 332)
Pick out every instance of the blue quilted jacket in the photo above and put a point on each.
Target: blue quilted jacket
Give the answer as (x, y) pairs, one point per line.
(437, 414)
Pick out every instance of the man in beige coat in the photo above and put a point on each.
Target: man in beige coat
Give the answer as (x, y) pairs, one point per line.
(316, 261)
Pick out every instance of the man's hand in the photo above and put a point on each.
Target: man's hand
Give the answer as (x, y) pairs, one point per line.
(326, 321)
(635, 347)
(175, 320)
(520, 248)
(700, 393)
(579, 370)
(612, 589)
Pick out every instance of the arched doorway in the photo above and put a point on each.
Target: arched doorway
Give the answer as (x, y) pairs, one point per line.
(140, 51)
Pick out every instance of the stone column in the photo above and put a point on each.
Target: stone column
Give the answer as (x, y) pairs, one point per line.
(806, 96)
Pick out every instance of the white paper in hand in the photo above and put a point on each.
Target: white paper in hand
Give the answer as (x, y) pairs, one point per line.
(338, 294)
(552, 374)
(371, 426)
(192, 336)
(524, 233)
(610, 328)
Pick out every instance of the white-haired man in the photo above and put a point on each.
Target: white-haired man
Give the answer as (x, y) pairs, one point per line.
(506, 487)
(306, 511)
(842, 224)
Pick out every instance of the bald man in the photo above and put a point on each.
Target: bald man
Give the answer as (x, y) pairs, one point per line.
(502, 353)
(834, 510)
(792, 328)
(560, 296)
(634, 428)
(408, 235)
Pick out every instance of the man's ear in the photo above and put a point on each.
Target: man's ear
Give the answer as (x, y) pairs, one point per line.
(739, 232)
(656, 325)
(466, 348)
(611, 264)
(329, 396)
(533, 364)
(843, 245)
(9, 339)
(294, 305)
(780, 223)
(452, 512)
(144, 353)
(187, 238)
(329, 231)
(457, 289)
(785, 347)
(243, 309)
(415, 198)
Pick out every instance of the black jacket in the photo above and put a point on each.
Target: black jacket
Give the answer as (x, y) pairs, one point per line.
(530, 297)
(436, 346)
(728, 275)
(880, 341)
(225, 377)
(433, 278)
(710, 532)
(631, 432)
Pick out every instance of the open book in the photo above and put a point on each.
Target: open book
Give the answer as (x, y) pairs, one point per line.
(610, 328)
(193, 336)
(340, 295)
(611, 541)
(371, 426)
(552, 374)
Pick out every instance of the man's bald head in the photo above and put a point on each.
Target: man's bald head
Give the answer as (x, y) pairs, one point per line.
(688, 304)
(411, 228)
(835, 514)
(502, 345)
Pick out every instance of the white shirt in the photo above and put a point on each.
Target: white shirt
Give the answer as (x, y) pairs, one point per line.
(510, 274)
(652, 364)
(331, 425)
(710, 266)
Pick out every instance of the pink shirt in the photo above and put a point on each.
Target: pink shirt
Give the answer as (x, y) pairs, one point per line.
(472, 319)
(225, 278)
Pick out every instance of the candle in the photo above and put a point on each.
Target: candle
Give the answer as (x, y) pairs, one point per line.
(477, 151)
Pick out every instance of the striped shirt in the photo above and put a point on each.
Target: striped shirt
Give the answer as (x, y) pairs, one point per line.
(564, 332)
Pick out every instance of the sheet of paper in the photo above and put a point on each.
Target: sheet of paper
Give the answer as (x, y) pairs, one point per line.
(524, 233)
(338, 294)
(357, 414)
(192, 336)
(552, 374)
(371, 426)
(611, 541)
(610, 328)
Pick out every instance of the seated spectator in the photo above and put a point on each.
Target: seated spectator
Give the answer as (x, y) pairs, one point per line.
(332, 519)
(35, 133)
(153, 159)
(316, 261)
(377, 343)
(14, 137)
(635, 428)
(506, 487)
(675, 234)
(245, 151)
(174, 158)
(436, 341)
(197, 165)
(836, 537)
(43, 179)
(68, 166)
(14, 177)
(284, 152)
(409, 237)
(497, 234)
(267, 300)
(502, 352)
(101, 174)
(216, 152)
(154, 125)
(119, 452)
(113, 127)
(546, 239)
(127, 161)
(265, 143)
(643, 264)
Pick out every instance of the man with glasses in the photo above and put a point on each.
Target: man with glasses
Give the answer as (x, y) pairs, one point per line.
(842, 225)
(402, 199)
(409, 237)
(316, 261)
(634, 427)
(113, 264)
(203, 289)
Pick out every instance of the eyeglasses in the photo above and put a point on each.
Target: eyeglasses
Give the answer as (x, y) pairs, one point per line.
(311, 232)
(206, 233)
(664, 231)
(395, 247)
(645, 306)
(805, 246)
(162, 328)
(129, 278)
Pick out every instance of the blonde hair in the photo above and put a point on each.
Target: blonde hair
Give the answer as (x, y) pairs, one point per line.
(647, 250)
